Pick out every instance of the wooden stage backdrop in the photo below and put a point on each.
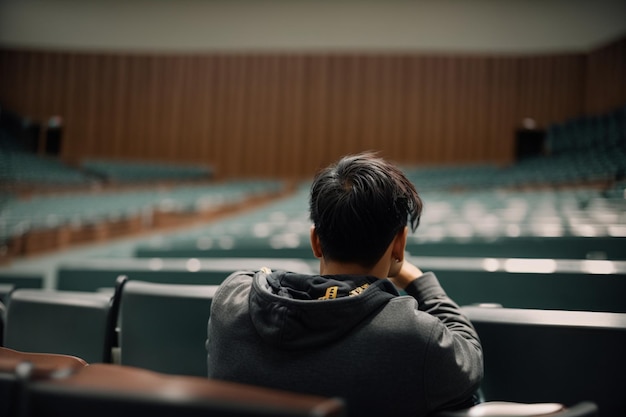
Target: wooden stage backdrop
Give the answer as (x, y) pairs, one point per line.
(285, 114)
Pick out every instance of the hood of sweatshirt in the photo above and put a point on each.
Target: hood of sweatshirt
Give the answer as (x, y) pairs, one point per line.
(296, 311)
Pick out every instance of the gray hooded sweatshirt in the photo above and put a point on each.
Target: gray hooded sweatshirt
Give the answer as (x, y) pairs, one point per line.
(347, 336)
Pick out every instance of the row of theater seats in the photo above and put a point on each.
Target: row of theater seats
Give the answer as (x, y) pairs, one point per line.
(47, 385)
(581, 150)
(452, 223)
(561, 284)
(124, 171)
(576, 166)
(52, 385)
(25, 165)
(25, 170)
(546, 347)
(47, 222)
(520, 272)
(154, 326)
(592, 285)
(491, 210)
(604, 131)
(530, 355)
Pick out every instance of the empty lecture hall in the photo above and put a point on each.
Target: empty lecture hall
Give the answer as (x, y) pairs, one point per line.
(352, 208)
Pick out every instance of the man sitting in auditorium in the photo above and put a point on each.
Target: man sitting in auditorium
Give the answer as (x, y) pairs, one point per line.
(348, 332)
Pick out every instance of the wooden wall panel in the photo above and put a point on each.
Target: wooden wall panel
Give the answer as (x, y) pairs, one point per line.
(503, 114)
(551, 88)
(606, 78)
(270, 114)
(315, 134)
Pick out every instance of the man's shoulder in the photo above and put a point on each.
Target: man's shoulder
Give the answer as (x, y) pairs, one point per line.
(231, 298)
(239, 277)
(402, 314)
(238, 281)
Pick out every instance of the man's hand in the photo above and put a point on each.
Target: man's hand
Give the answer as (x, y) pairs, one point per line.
(402, 273)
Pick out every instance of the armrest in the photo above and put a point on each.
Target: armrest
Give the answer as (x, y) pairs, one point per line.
(504, 409)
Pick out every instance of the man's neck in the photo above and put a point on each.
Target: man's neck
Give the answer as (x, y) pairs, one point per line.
(345, 268)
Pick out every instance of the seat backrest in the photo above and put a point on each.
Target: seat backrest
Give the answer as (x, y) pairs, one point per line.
(102, 272)
(38, 366)
(553, 356)
(163, 327)
(104, 390)
(63, 322)
(19, 279)
(5, 291)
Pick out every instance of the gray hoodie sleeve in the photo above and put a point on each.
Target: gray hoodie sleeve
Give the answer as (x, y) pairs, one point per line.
(454, 364)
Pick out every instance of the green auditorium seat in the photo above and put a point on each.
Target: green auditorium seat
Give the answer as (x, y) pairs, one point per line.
(93, 274)
(564, 247)
(65, 322)
(553, 356)
(5, 291)
(22, 279)
(242, 249)
(139, 171)
(583, 285)
(163, 327)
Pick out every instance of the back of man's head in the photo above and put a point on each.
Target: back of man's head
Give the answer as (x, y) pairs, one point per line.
(358, 205)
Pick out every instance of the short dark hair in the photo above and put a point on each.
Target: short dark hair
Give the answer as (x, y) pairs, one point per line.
(359, 204)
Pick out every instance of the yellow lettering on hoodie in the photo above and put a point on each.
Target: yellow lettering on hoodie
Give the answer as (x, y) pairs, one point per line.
(359, 290)
(331, 292)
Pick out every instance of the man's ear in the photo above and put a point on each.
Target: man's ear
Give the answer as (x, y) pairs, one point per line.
(399, 244)
(315, 243)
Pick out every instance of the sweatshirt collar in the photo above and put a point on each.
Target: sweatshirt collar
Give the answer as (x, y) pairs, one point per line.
(295, 311)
